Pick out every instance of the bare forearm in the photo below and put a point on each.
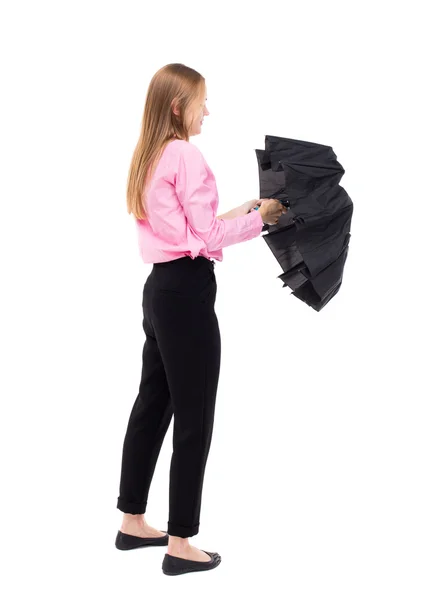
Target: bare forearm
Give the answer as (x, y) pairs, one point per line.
(232, 214)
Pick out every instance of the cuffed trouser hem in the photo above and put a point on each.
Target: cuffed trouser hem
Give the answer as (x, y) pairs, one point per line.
(182, 530)
(133, 508)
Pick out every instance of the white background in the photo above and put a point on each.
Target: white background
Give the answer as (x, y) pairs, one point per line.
(327, 474)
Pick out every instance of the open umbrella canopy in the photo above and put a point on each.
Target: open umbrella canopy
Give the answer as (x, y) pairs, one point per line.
(310, 241)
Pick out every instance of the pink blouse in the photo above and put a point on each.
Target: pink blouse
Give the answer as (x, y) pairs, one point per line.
(182, 202)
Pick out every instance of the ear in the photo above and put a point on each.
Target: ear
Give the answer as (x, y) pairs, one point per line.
(174, 107)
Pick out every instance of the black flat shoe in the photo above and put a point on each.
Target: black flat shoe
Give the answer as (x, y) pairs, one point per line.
(124, 541)
(172, 565)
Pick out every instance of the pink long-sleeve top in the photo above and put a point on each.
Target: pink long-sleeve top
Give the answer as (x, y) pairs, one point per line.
(181, 201)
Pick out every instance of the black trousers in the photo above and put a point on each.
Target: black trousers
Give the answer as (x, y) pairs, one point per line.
(180, 372)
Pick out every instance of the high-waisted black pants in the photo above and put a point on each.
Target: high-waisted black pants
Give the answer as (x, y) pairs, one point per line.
(181, 363)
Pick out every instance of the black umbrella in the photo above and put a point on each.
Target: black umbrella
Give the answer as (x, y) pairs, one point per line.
(310, 241)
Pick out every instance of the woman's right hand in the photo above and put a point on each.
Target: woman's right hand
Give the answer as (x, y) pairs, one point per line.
(271, 210)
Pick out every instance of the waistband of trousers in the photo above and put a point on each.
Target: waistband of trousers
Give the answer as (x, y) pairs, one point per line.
(185, 261)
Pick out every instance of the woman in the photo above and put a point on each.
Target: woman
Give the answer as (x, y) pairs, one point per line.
(172, 195)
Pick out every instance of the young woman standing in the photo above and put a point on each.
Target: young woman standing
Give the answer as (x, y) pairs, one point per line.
(173, 196)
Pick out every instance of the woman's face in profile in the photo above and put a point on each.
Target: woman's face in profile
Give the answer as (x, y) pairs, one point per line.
(198, 112)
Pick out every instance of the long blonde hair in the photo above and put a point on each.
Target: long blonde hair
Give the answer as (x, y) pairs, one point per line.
(172, 85)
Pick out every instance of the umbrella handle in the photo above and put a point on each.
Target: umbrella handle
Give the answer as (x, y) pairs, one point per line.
(284, 202)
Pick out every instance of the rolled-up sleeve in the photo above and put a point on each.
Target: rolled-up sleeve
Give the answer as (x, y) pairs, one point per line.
(197, 193)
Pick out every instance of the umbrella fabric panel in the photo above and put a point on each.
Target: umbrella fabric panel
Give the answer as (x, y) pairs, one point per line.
(317, 292)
